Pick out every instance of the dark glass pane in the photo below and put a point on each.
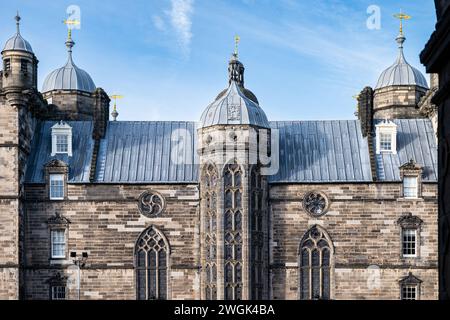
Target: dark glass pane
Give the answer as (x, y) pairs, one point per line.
(238, 273)
(208, 274)
(315, 282)
(238, 221)
(326, 283)
(238, 199)
(238, 248)
(260, 200)
(228, 199)
(322, 244)
(162, 259)
(208, 293)
(325, 257)
(228, 252)
(214, 273)
(228, 293)
(315, 258)
(162, 284)
(141, 259)
(305, 258)
(213, 222)
(151, 259)
(238, 293)
(213, 252)
(152, 284)
(237, 179)
(304, 278)
(228, 221)
(141, 284)
(227, 179)
(213, 201)
(228, 273)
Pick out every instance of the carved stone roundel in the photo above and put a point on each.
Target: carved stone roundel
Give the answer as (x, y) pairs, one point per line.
(151, 204)
(315, 203)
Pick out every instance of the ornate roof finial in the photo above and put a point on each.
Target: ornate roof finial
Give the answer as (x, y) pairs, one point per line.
(17, 18)
(114, 113)
(401, 38)
(237, 39)
(69, 42)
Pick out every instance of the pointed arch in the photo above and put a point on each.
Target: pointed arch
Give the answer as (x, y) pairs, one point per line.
(152, 252)
(315, 257)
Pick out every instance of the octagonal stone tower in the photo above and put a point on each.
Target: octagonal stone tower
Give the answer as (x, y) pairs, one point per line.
(399, 89)
(233, 131)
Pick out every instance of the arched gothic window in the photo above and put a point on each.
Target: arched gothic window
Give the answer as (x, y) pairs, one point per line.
(210, 198)
(256, 216)
(152, 253)
(233, 231)
(315, 265)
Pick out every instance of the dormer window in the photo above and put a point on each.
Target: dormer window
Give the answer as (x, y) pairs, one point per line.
(62, 139)
(386, 137)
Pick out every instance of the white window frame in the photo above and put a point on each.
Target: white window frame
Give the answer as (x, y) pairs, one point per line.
(416, 193)
(56, 178)
(61, 129)
(409, 286)
(54, 292)
(54, 243)
(386, 128)
(407, 230)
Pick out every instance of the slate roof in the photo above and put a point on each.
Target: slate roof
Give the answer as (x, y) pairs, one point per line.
(165, 152)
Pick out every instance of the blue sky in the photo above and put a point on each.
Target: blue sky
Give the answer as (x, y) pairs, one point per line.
(304, 59)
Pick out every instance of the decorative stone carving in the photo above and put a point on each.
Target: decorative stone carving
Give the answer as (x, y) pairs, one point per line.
(409, 221)
(58, 221)
(410, 279)
(151, 204)
(315, 203)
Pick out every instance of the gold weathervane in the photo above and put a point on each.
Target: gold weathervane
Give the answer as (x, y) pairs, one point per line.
(401, 16)
(237, 39)
(115, 97)
(70, 24)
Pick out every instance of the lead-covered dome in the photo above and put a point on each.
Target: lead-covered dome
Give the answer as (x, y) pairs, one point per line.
(234, 108)
(17, 42)
(69, 77)
(401, 73)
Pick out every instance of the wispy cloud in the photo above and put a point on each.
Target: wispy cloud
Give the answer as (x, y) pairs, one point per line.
(159, 23)
(181, 21)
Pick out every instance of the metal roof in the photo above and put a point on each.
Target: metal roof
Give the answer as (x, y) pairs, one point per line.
(79, 163)
(134, 152)
(401, 72)
(165, 152)
(234, 108)
(18, 43)
(322, 151)
(415, 140)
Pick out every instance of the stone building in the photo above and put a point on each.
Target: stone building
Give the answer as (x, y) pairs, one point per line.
(231, 207)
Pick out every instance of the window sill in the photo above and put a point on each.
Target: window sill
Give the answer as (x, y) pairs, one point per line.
(59, 261)
(410, 199)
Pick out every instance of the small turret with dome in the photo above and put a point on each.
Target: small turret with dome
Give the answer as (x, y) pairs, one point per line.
(69, 89)
(236, 104)
(19, 61)
(400, 87)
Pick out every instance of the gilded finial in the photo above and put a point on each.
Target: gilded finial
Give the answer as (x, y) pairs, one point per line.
(114, 113)
(401, 16)
(237, 39)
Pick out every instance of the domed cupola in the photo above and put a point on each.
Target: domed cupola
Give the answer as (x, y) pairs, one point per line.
(401, 73)
(400, 87)
(69, 77)
(17, 42)
(236, 104)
